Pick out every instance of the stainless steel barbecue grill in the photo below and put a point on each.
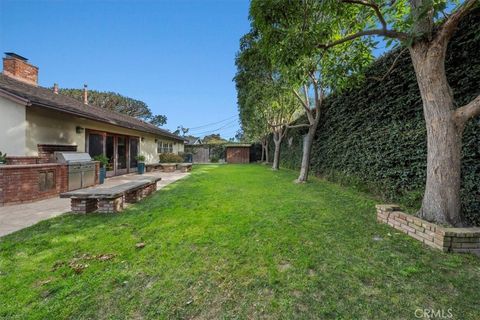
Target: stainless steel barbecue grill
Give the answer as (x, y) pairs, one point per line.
(81, 169)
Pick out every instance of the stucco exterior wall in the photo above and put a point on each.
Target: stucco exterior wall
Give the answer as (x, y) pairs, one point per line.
(50, 127)
(12, 124)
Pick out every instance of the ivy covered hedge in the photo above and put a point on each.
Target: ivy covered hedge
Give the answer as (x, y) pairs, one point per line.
(375, 135)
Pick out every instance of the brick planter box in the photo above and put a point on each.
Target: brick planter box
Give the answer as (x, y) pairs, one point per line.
(151, 167)
(184, 167)
(168, 167)
(463, 240)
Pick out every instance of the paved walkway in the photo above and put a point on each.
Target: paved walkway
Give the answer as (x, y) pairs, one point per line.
(17, 217)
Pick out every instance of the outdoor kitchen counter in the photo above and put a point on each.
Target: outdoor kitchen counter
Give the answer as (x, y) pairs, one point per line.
(23, 166)
(22, 183)
(36, 165)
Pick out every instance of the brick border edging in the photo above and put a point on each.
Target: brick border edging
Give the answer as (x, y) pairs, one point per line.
(462, 240)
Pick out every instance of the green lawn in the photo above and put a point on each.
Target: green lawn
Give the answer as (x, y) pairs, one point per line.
(234, 241)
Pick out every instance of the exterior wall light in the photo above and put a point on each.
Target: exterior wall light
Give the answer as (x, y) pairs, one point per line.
(79, 129)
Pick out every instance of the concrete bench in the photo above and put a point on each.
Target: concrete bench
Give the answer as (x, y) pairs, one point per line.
(184, 167)
(106, 200)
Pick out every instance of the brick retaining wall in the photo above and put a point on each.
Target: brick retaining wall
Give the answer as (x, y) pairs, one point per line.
(464, 240)
(27, 183)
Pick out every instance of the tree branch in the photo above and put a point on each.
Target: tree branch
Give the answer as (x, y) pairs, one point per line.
(372, 5)
(468, 111)
(319, 94)
(299, 126)
(450, 25)
(300, 98)
(307, 99)
(391, 67)
(273, 126)
(304, 104)
(373, 32)
(318, 106)
(284, 133)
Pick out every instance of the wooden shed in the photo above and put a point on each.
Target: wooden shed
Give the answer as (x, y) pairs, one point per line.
(237, 153)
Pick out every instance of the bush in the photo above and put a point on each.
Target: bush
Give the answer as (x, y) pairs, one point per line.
(103, 159)
(3, 157)
(217, 152)
(170, 158)
(140, 158)
(187, 156)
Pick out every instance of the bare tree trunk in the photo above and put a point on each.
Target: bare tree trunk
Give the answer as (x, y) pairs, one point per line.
(441, 202)
(266, 150)
(277, 139)
(263, 150)
(307, 152)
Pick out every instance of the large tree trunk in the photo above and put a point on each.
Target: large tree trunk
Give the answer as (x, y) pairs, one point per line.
(441, 202)
(307, 151)
(276, 156)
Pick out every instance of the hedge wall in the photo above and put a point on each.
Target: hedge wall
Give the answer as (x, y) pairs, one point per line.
(375, 134)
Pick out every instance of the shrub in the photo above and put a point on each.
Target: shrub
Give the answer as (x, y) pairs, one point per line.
(217, 152)
(140, 158)
(187, 156)
(170, 158)
(3, 157)
(103, 159)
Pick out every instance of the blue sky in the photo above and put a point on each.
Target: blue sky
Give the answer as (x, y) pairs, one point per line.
(177, 56)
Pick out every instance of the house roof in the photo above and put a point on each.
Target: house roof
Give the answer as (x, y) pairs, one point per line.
(191, 140)
(238, 145)
(45, 98)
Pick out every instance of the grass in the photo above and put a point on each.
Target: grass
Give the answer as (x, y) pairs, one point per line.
(235, 241)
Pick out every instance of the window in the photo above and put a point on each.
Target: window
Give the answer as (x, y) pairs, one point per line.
(159, 146)
(164, 147)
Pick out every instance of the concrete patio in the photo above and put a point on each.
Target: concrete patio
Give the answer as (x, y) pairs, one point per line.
(17, 217)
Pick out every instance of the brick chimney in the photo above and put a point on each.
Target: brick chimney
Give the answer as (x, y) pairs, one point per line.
(17, 67)
(55, 88)
(85, 94)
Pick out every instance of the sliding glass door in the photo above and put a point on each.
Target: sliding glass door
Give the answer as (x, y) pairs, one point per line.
(134, 145)
(95, 144)
(122, 155)
(120, 150)
(110, 153)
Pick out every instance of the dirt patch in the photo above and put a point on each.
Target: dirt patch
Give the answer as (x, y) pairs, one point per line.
(284, 266)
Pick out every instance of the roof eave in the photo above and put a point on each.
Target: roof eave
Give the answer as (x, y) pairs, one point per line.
(13, 97)
(87, 116)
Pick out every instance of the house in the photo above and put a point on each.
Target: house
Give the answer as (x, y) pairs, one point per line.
(191, 140)
(38, 121)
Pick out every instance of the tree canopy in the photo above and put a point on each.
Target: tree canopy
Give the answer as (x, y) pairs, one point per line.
(116, 102)
(330, 41)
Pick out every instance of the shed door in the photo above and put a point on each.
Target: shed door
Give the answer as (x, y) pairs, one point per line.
(238, 155)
